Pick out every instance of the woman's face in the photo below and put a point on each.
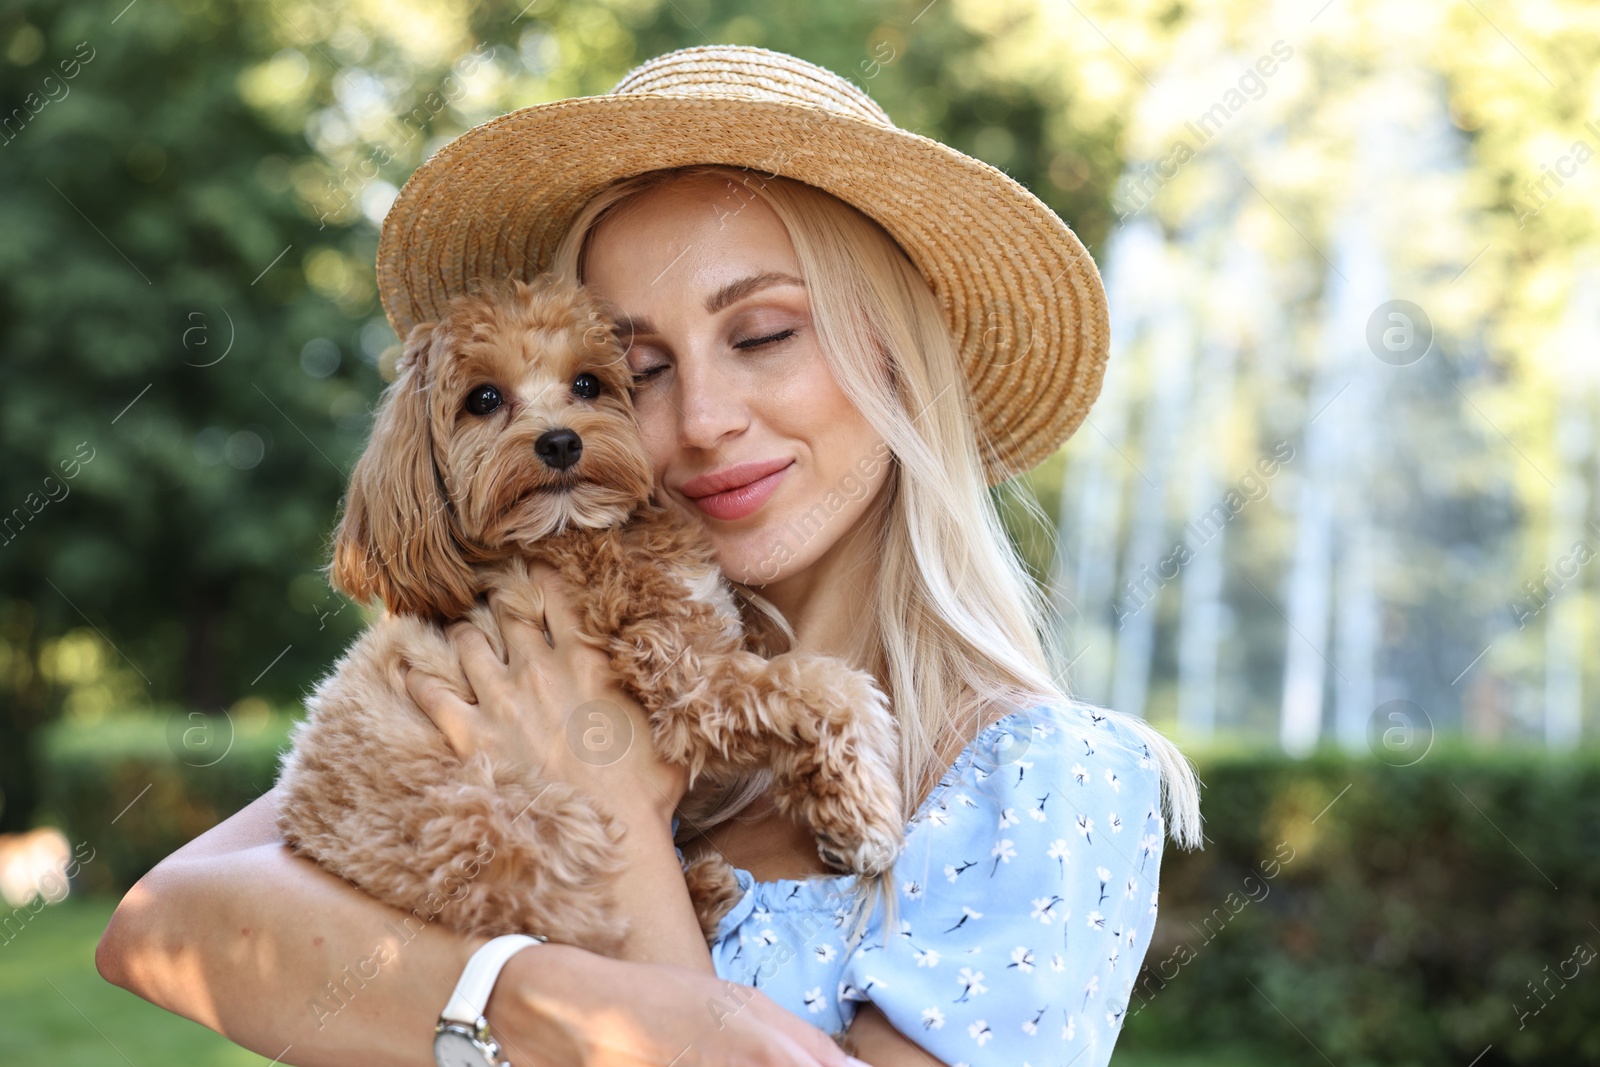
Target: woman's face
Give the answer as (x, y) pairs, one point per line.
(745, 425)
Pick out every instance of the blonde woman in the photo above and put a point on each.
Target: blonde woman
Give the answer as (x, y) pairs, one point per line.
(842, 335)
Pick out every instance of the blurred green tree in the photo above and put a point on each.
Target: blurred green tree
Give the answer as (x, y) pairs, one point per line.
(188, 312)
(184, 375)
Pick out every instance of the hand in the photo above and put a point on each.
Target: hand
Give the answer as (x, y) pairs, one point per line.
(617, 1013)
(554, 706)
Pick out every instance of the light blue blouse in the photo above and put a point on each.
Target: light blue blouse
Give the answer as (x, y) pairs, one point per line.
(1026, 893)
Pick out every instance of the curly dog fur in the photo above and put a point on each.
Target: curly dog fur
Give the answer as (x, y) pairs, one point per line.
(508, 436)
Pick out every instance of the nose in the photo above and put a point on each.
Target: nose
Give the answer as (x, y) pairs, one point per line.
(559, 449)
(710, 406)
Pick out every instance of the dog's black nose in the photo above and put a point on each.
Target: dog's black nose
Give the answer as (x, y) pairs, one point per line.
(559, 449)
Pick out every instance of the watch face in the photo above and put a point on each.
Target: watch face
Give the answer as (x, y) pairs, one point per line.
(455, 1048)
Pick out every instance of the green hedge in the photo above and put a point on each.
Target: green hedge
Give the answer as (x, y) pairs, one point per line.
(1343, 910)
(1402, 925)
(137, 786)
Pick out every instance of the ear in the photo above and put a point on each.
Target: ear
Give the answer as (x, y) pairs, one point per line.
(396, 538)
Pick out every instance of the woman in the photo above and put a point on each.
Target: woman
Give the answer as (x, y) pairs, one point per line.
(833, 403)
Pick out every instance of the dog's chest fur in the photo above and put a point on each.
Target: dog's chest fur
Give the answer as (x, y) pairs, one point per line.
(624, 575)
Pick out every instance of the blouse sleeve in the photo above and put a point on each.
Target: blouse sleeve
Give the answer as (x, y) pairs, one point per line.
(1026, 894)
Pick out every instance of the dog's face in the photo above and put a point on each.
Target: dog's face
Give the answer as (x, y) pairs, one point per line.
(533, 429)
(509, 421)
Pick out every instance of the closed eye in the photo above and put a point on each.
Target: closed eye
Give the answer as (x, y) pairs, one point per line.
(643, 376)
(757, 342)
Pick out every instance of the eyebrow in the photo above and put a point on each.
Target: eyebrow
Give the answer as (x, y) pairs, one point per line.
(629, 328)
(728, 295)
(736, 291)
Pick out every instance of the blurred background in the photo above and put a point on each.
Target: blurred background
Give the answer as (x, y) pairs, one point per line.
(1331, 524)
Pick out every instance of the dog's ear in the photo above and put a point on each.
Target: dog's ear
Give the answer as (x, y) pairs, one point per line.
(395, 538)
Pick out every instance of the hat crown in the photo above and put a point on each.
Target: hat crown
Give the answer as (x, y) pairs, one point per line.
(1019, 293)
(749, 73)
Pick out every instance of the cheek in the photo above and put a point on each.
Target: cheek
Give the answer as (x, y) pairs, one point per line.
(849, 469)
(843, 440)
(803, 387)
(656, 433)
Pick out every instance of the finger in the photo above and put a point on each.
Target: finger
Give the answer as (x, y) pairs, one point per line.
(794, 1052)
(562, 620)
(561, 617)
(452, 715)
(479, 662)
(811, 1044)
(525, 640)
(565, 618)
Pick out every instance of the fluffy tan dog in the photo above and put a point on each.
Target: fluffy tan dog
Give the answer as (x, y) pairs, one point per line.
(509, 436)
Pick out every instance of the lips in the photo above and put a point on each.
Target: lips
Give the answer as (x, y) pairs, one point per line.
(737, 491)
(731, 477)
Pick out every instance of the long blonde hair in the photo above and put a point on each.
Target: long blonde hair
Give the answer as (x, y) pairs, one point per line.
(959, 623)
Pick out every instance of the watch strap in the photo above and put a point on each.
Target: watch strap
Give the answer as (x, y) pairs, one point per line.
(479, 976)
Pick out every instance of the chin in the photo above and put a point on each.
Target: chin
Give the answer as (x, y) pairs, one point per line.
(546, 513)
(769, 553)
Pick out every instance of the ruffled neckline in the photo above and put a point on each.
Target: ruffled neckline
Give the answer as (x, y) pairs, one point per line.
(829, 892)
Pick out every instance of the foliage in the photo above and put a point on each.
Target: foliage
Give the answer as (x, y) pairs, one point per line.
(1457, 142)
(205, 181)
(1384, 914)
(139, 785)
(174, 320)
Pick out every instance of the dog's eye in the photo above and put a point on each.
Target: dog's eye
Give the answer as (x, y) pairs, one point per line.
(483, 400)
(586, 386)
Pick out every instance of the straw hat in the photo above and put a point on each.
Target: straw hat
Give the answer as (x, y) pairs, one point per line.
(1021, 295)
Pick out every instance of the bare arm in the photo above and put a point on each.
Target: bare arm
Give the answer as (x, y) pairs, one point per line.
(882, 1045)
(238, 934)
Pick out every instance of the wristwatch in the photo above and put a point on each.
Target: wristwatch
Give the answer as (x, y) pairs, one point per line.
(462, 1037)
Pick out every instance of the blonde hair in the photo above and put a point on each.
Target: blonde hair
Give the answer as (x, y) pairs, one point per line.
(959, 622)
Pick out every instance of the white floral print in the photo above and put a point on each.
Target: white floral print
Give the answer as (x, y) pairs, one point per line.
(1025, 950)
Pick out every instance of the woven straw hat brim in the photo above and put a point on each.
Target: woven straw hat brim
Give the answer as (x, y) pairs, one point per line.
(1021, 295)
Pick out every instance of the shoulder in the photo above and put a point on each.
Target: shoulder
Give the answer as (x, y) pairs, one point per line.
(1121, 750)
(1033, 777)
(1027, 892)
(1057, 743)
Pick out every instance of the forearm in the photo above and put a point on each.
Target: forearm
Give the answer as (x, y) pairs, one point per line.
(238, 934)
(284, 959)
(651, 892)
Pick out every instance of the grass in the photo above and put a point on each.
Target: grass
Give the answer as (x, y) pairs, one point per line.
(56, 1009)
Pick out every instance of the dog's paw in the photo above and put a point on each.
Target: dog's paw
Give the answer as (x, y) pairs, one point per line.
(844, 787)
(857, 822)
(868, 855)
(713, 890)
